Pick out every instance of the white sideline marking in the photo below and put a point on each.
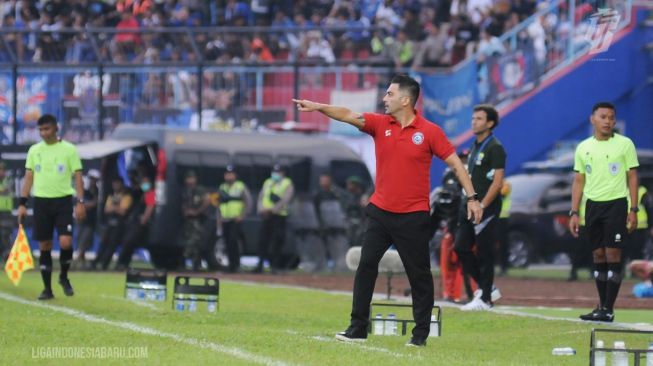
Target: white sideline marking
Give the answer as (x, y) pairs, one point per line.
(135, 302)
(231, 351)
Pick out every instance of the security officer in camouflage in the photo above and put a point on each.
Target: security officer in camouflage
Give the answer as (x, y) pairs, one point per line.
(7, 221)
(235, 203)
(355, 210)
(194, 206)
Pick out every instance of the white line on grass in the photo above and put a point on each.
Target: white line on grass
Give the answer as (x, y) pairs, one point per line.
(231, 351)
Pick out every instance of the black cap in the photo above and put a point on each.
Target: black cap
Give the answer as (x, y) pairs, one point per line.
(278, 168)
(230, 168)
(190, 173)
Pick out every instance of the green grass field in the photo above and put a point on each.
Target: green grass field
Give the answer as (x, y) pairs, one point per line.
(268, 325)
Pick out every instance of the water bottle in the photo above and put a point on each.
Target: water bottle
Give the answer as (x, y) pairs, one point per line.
(212, 303)
(563, 351)
(599, 356)
(192, 306)
(434, 331)
(131, 293)
(391, 325)
(180, 303)
(620, 358)
(378, 325)
(151, 294)
(161, 295)
(141, 294)
(649, 354)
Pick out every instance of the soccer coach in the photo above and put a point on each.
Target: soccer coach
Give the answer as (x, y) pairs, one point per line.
(405, 143)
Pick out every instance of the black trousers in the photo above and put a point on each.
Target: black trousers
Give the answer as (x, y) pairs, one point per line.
(135, 237)
(273, 233)
(503, 250)
(409, 232)
(111, 240)
(232, 234)
(480, 265)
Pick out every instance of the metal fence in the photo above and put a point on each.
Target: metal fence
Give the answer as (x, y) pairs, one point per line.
(94, 78)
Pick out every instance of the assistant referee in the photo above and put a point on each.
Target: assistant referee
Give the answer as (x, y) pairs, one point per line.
(49, 168)
(605, 173)
(405, 143)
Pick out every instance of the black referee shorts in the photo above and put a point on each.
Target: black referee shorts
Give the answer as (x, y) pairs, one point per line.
(51, 213)
(606, 223)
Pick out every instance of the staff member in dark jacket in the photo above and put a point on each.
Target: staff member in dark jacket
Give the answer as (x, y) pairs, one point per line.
(405, 143)
(486, 165)
(51, 164)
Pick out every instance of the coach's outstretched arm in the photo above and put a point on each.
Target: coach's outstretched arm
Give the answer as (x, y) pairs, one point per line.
(338, 113)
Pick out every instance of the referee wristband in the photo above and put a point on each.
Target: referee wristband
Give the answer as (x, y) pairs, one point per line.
(22, 201)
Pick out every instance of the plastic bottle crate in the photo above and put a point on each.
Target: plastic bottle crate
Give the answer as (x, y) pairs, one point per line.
(196, 297)
(436, 319)
(146, 284)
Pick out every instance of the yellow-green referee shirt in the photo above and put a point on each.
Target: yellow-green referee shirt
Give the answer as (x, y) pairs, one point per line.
(53, 167)
(604, 164)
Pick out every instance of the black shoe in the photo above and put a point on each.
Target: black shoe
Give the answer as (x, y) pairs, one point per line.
(352, 335)
(46, 295)
(599, 315)
(417, 342)
(67, 288)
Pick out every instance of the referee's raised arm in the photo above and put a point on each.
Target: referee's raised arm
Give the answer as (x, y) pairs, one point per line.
(335, 112)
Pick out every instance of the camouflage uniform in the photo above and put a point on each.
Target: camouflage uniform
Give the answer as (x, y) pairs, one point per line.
(193, 227)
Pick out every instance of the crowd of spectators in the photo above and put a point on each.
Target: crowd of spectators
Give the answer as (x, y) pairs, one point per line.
(408, 33)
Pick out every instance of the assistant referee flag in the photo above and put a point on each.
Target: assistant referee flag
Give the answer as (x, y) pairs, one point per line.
(20, 258)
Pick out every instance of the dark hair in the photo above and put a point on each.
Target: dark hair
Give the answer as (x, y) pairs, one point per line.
(409, 85)
(607, 105)
(490, 112)
(47, 119)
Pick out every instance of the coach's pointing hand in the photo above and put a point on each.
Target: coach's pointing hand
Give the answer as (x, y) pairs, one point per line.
(304, 105)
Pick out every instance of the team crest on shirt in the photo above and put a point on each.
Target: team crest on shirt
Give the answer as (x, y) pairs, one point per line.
(479, 158)
(588, 169)
(617, 238)
(37, 168)
(614, 168)
(418, 138)
(61, 168)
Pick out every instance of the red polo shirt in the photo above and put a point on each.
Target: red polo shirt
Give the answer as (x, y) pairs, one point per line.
(403, 161)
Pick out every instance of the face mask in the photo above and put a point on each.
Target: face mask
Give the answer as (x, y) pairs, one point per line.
(276, 177)
(145, 186)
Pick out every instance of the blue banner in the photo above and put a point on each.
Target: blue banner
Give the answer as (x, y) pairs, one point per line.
(450, 98)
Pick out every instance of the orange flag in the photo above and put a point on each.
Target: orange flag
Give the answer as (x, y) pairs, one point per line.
(20, 258)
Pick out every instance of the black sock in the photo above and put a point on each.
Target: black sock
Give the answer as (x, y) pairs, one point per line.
(65, 258)
(613, 285)
(45, 262)
(601, 278)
